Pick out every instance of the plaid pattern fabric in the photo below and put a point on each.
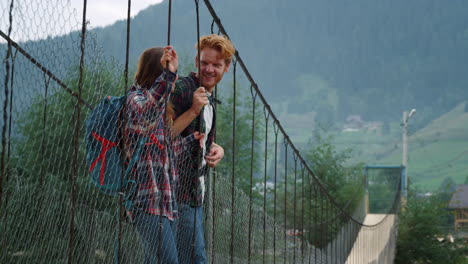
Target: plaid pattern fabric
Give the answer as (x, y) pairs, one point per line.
(156, 171)
(191, 189)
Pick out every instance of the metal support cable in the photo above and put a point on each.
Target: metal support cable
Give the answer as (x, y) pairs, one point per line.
(276, 130)
(233, 179)
(10, 118)
(166, 129)
(285, 210)
(254, 98)
(294, 205)
(312, 218)
(5, 103)
(199, 158)
(123, 122)
(303, 212)
(267, 117)
(74, 172)
(44, 124)
(10, 111)
(316, 227)
(213, 188)
(320, 227)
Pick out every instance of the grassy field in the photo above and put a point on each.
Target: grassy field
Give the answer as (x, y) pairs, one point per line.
(439, 151)
(436, 152)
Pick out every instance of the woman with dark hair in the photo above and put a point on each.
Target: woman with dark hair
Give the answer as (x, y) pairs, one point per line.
(149, 115)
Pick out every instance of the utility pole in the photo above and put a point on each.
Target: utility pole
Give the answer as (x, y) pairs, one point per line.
(406, 118)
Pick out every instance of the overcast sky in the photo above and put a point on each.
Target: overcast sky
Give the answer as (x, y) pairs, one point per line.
(106, 12)
(33, 19)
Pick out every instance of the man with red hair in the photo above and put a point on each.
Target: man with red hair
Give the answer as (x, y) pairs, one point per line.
(193, 104)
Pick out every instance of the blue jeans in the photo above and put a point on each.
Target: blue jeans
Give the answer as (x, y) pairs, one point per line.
(186, 247)
(154, 238)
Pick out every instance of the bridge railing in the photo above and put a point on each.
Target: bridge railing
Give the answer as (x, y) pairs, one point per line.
(264, 204)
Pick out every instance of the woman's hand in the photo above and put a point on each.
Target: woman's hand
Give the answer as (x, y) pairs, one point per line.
(169, 59)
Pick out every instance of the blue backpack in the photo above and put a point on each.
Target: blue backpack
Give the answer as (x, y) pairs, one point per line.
(105, 160)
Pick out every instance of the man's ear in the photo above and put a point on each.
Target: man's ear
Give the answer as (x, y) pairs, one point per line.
(196, 61)
(226, 69)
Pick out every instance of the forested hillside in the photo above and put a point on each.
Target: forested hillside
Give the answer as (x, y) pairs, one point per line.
(371, 58)
(333, 58)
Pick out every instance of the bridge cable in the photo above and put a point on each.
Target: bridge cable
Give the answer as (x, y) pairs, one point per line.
(44, 125)
(199, 158)
(213, 185)
(266, 114)
(285, 142)
(74, 172)
(5, 103)
(254, 96)
(276, 131)
(294, 205)
(303, 211)
(166, 130)
(10, 117)
(120, 211)
(233, 178)
(3, 173)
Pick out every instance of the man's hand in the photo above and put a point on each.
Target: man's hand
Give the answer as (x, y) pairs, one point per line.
(199, 137)
(199, 100)
(215, 155)
(170, 59)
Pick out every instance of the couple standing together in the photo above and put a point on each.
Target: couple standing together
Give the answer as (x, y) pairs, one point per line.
(176, 113)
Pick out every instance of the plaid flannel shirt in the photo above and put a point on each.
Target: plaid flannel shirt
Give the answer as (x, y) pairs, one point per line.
(156, 171)
(190, 189)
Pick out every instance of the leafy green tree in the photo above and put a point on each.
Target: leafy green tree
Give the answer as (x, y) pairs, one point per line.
(343, 182)
(419, 228)
(44, 153)
(332, 168)
(243, 140)
(41, 164)
(47, 128)
(446, 189)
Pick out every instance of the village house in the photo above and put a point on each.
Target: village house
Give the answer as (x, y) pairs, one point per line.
(459, 203)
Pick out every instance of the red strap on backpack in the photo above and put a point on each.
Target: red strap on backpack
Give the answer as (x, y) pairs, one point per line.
(106, 146)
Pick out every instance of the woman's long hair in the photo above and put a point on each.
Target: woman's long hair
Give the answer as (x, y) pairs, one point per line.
(148, 69)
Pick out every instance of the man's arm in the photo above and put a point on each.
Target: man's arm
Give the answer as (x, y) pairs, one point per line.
(198, 101)
(215, 155)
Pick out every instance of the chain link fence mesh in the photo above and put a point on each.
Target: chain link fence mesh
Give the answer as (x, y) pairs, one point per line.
(262, 205)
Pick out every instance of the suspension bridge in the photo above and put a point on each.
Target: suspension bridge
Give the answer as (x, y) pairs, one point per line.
(264, 202)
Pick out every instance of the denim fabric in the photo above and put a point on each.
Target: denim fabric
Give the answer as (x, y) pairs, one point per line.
(185, 229)
(151, 235)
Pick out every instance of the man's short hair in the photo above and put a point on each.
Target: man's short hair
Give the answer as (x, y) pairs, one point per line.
(219, 43)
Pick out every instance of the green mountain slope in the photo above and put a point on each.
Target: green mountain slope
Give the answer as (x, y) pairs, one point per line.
(376, 58)
(436, 152)
(379, 57)
(439, 150)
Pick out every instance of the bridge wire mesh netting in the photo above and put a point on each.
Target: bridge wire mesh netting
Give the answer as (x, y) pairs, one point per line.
(263, 203)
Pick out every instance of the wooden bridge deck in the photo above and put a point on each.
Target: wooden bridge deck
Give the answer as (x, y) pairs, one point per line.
(372, 246)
